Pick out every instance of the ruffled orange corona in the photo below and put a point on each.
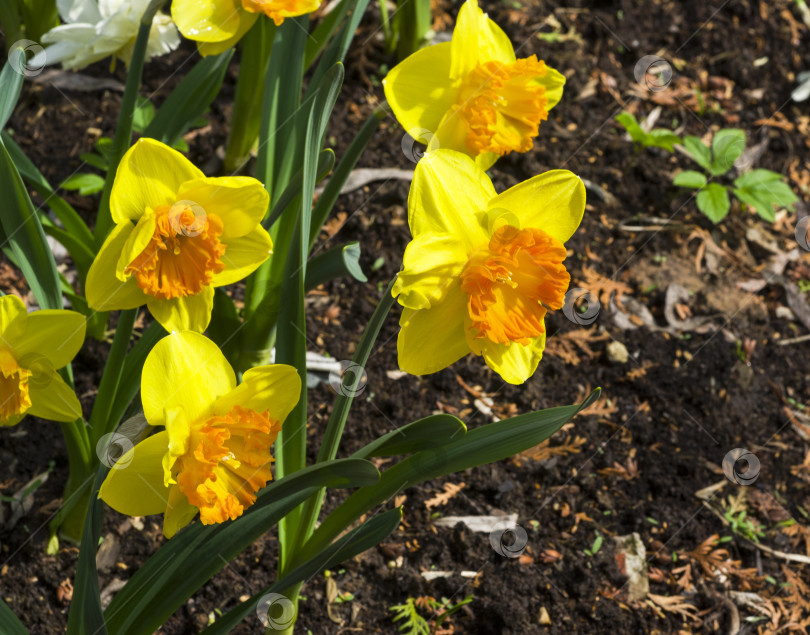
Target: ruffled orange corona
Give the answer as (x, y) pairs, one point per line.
(214, 454)
(483, 269)
(472, 94)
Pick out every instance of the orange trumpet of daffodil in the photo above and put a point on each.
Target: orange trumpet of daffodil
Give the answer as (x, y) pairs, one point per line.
(216, 25)
(214, 453)
(178, 235)
(483, 268)
(472, 94)
(32, 348)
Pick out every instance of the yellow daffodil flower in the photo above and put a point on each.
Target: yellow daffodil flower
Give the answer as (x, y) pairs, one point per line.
(472, 94)
(483, 269)
(214, 453)
(32, 348)
(216, 25)
(178, 235)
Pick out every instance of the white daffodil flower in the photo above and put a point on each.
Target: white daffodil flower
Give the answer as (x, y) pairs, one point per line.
(95, 29)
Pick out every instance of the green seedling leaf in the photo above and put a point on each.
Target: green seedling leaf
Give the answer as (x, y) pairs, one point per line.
(714, 202)
(689, 178)
(698, 150)
(756, 177)
(95, 160)
(631, 125)
(662, 138)
(727, 146)
(143, 115)
(86, 183)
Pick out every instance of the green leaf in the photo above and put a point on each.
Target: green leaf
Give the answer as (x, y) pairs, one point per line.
(699, 151)
(661, 138)
(369, 534)
(9, 623)
(762, 195)
(326, 161)
(68, 216)
(189, 99)
(727, 146)
(430, 432)
(20, 223)
(179, 568)
(338, 262)
(713, 201)
(631, 125)
(756, 177)
(95, 160)
(689, 178)
(85, 607)
(763, 207)
(143, 115)
(86, 183)
(321, 34)
(11, 81)
(485, 444)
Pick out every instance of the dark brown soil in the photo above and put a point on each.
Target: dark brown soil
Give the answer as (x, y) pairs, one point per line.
(632, 463)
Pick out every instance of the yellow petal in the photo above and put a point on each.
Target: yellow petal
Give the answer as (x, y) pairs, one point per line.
(486, 160)
(418, 89)
(553, 201)
(184, 370)
(243, 256)
(136, 243)
(476, 40)
(179, 512)
(134, 486)
(13, 317)
(514, 362)
(104, 291)
(240, 201)
(149, 175)
(554, 81)
(449, 194)
(451, 133)
(431, 264)
(246, 20)
(51, 397)
(211, 21)
(276, 388)
(179, 429)
(432, 339)
(186, 313)
(53, 334)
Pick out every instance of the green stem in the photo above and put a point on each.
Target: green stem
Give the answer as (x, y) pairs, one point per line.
(100, 421)
(340, 412)
(81, 461)
(123, 129)
(247, 104)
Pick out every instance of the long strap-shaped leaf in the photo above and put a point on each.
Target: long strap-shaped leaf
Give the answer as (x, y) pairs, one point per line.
(9, 624)
(486, 444)
(11, 81)
(189, 99)
(23, 231)
(369, 534)
(194, 555)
